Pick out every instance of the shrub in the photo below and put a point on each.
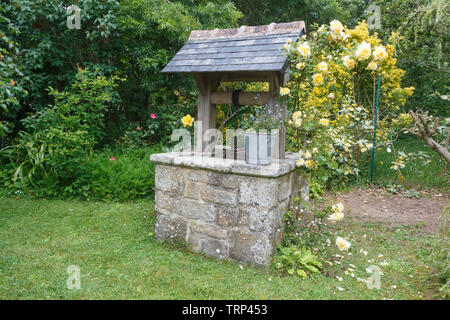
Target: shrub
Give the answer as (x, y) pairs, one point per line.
(121, 175)
(60, 137)
(331, 97)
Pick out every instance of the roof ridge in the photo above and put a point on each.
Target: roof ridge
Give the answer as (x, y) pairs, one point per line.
(245, 31)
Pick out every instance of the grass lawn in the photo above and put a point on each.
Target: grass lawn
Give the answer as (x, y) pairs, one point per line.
(415, 174)
(114, 246)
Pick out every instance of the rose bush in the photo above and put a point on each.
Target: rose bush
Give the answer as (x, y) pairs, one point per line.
(332, 97)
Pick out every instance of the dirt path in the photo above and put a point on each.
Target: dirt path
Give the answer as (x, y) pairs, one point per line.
(379, 205)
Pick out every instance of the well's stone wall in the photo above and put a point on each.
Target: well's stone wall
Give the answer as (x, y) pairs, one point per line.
(225, 208)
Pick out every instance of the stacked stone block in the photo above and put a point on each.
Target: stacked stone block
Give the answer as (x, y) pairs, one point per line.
(223, 214)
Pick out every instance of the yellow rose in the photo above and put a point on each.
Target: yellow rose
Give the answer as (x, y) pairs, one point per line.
(379, 53)
(363, 51)
(300, 162)
(336, 27)
(336, 216)
(324, 122)
(304, 49)
(300, 65)
(309, 163)
(342, 244)
(349, 62)
(296, 114)
(187, 121)
(323, 66)
(284, 91)
(298, 122)
(372, 66)
(307, 155)
(317, 79)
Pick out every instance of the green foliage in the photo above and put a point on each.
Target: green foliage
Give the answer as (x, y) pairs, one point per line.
(311, 11)
(295, 260)
(60, 137)
(152, 31)
(51, 52)
(11, 87)
(129, 177)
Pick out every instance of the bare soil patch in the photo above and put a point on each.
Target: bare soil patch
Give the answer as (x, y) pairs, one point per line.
(379, 205)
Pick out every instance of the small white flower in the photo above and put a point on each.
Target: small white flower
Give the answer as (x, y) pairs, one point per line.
(338, 278)
(340, 289)
(342, 244)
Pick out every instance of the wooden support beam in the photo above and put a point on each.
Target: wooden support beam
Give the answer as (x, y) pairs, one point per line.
(244, 76)
(277, 108)
(206, 112)
(245, 98)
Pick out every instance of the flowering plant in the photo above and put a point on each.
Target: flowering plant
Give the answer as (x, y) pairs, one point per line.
(262, 118)
(331, 97)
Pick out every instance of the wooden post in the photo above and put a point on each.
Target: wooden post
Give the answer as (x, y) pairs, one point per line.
(276, 107)
(206, 112)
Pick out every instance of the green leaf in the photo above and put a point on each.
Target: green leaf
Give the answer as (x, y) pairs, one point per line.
(301, 273)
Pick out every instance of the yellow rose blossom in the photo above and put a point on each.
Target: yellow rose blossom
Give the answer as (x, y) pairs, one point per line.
(187, 121)
(296, 114)
(363, 51)
(307, 155)
(317, 79)
(348, 62)
(304, 49)
(372, 66)
(336, 27)
(300, 162)
(342, 244)
(379, 53)
(287, 44)
(309, 163)
(324, 122)
(300, 65)
(284, 91)
(336, 216)
(323, 66)
(298, 122)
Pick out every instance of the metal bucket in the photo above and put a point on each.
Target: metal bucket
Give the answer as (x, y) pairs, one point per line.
(259, 148)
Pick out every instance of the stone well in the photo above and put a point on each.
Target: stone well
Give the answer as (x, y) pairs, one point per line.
(222, 207)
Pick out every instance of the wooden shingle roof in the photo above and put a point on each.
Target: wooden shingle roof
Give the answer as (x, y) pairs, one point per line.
(257, 48)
